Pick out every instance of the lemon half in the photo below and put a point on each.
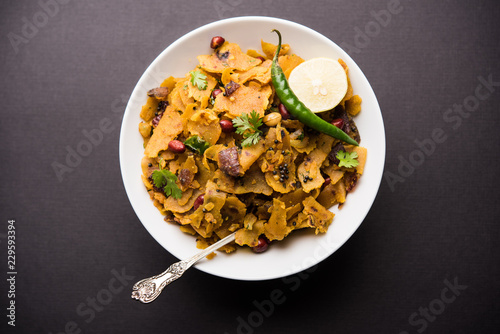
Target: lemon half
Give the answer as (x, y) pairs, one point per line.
(319, 83)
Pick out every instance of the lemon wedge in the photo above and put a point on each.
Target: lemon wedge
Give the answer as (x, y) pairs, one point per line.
(319, 83)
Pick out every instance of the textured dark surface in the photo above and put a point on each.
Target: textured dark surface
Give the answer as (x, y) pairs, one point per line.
(74, 234)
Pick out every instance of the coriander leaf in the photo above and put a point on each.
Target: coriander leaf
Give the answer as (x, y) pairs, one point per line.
(159, 179)
(248, 127)
(244, 123)
(250, 139)
(171, 189)
(197, 144)
(347, 159)
(255, 120)
(241, 124)
(198, 79)
(165, 180)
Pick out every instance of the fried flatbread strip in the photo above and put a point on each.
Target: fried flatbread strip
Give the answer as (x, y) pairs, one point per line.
(279, 139)
(244, 100)
(254, 53)
(212, 218)
(195, 92)
(321, 217)
(229, 55)
(205, 124)
(349, 93)
(250, 154)
(168, 128)
(250, 234)
(169, 83)
(276, 228)
(148, 110)
(270, 49)
(333, 172)
(233, 213)
(182, 87)
(174, 99)
(353, 105)
(312, 164)
(288, 63)
(253, 182)
(261, 73)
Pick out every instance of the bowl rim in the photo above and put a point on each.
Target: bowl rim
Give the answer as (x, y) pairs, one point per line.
(138, 87)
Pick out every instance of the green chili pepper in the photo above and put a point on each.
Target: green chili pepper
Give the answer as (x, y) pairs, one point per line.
(297, 108)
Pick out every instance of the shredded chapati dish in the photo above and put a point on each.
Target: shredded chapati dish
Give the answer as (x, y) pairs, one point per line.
(223, 154)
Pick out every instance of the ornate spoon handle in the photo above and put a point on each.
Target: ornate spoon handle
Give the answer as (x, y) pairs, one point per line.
(149, 289)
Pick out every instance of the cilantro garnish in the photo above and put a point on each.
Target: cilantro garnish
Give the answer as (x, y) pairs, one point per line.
(347, 159)
(198, 79)
(248, 127)
(197, 144)
(165, 179)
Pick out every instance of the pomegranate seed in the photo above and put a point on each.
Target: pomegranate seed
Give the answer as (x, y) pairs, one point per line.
(338, 122)
(199, 201)
(216, 92)
(327, 181)
(262, 246)
(226, 125)
(284, 113)
(261, 58)
(176, 146)
(216, 42)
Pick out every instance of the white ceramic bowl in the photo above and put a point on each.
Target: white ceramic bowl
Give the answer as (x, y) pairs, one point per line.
(301, 249)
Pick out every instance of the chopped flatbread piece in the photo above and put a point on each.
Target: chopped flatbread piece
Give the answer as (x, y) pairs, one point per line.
(261, 73)
(205, 124)
(309, 171)
(254, 53)
(244, 100)
(183, 88)
(288, 63)
(229, 55)
(250, 154)
(168, 128)
(349, 93)
(353, 105)
(320, 217)
(249, 235)
(276, 228)
(148, 110)
(270, 49)
(174, 99)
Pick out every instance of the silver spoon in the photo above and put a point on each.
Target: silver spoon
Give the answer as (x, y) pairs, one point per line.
(149, 289)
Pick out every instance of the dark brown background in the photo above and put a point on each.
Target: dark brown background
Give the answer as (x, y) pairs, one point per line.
(440, 224)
